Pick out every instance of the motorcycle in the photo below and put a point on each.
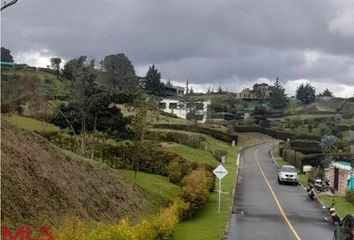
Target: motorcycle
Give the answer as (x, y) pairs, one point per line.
(322, 185)
(310, 189)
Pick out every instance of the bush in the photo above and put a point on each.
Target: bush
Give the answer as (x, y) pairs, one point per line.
(195, 189)
(349, 196)
(219, 153)
(160, 227)
(177, 169)
(194, 141)
(306, 146)
(226, 137)
(277, 133)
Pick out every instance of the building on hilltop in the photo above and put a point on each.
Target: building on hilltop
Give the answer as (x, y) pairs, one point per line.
(171, 90)
(259, 92)
(246, 94)
(177, 106)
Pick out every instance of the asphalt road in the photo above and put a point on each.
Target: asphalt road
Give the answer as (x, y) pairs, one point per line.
(266, 210)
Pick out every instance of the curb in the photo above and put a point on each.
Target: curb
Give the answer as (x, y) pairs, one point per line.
(226, 231)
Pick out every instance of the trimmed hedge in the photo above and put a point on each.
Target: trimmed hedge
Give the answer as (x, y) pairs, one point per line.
(276, 133)
(298, 159)
(194, 141)
(306, 146)
(226, 137)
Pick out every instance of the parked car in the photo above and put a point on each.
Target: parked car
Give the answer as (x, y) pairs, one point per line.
(288, 173)
(345, 230)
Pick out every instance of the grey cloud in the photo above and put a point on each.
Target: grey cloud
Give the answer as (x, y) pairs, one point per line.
(204, 40)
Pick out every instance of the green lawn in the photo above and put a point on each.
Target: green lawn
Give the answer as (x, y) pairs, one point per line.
(191, 154)
(160, 192)
(30, 124)
(342, 206)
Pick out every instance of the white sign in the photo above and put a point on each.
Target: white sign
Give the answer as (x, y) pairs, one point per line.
(220, 171)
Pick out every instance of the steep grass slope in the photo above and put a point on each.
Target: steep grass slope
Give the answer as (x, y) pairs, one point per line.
(43, 185)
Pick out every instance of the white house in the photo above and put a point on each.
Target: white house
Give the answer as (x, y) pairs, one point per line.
(177, 106)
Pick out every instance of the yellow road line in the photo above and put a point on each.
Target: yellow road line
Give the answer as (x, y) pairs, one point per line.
(297, 237)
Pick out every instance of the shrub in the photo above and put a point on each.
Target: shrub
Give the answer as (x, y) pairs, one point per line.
(226, 137)
(194, 141)
(219, 153)
(306, 146)
(349, 196)
(160, 227)
(195, 189)
(177, 169)
(277, 133)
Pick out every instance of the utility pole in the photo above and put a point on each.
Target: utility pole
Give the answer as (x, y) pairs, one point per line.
(187, 84)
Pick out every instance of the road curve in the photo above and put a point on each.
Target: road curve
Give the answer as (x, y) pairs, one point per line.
(263, 209)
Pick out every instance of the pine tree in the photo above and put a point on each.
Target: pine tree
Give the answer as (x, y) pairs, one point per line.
(153, 81)
(278, 98)
(306, 93)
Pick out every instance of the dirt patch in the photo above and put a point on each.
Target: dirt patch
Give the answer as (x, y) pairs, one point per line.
(43, 185)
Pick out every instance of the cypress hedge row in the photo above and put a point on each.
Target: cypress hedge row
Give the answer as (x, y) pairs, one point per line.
(226, 137)
(277, 133)
(299, 160)
(306, 146)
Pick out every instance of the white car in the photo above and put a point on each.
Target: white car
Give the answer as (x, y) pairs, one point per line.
(288, 173)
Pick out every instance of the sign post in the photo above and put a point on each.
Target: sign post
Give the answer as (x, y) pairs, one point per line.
(220, 172)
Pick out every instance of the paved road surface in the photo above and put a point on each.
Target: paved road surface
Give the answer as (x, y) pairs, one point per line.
(268, 211)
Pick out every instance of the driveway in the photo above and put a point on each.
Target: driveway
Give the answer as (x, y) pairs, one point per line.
(266, 210)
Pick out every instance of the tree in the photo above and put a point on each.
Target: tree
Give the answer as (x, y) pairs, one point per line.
(278, 97)
(119, 71)
(306, 93)
(6, 55)
(55, 62)
(326, 93)
(194, 108)
(153, 81)
(71, 68)
(145, 109)
(331, 144)
(219, 89)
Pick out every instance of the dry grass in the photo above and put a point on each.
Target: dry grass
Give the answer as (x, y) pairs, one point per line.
(42, 185)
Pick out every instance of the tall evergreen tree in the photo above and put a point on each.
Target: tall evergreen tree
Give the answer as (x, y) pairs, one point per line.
(306, 93)
(326, 93)
(55, 62)
(119, 71)
(6, 55)
(153, 81)
(278, 97)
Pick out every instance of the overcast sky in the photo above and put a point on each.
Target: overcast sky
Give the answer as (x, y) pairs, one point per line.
(232, 43)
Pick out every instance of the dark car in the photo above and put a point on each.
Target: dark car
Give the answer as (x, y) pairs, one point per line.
(345, 231)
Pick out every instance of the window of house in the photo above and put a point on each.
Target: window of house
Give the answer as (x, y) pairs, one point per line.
(162, 105)
(173, 106)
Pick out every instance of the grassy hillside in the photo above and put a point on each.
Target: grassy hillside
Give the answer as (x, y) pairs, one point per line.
(159, 191)
(48, 81)
(333, 106)
(42, 184)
